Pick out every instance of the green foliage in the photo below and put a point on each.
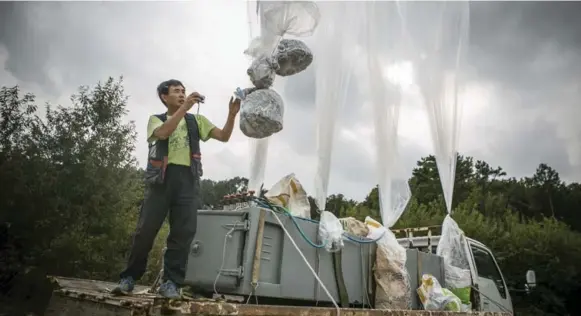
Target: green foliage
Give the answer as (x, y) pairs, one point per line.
(74, 193)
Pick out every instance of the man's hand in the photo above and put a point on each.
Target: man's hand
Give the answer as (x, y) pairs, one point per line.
(192, 99)
(234, 106)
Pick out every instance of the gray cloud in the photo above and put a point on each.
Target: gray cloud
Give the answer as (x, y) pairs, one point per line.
(526, 52)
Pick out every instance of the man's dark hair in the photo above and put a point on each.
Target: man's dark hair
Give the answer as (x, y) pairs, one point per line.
(163, 88)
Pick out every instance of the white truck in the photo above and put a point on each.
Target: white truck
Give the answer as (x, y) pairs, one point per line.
(490, 292)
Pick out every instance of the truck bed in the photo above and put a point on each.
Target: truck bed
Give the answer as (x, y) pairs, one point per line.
(92, 298)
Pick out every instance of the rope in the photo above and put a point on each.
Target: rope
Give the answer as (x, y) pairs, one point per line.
(306, 262)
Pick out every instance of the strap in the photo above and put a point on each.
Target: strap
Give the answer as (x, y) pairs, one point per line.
(162, 145)
(341, 288)
(193, 133)
(162, 117)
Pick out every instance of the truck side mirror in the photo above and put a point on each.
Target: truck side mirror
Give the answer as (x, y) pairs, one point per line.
(531, 278)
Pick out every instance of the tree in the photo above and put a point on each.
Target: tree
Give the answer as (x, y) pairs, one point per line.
(73, 183)
(425, 182)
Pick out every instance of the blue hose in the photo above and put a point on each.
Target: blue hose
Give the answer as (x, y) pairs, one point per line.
(262, 204)
(350, 237)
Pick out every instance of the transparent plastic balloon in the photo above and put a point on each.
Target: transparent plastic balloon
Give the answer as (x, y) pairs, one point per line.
(437, 37)
(268, 23)
(258, 147)
(338, 30)
(393, 189)
(385, 97)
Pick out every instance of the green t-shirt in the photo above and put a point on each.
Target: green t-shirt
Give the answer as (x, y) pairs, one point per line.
(179, 147)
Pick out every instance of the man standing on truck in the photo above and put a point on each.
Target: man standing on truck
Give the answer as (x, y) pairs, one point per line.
(172, 184)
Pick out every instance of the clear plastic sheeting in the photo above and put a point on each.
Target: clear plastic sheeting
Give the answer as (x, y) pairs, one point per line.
(289, 193)
(292, 56)
(436, 298)
(338, 30)
(438, 41)
(452, 247)
(331, 232)
(261, 113)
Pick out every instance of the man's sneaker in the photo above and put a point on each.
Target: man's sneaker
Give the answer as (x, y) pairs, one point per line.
(169, 290)
(124, 287)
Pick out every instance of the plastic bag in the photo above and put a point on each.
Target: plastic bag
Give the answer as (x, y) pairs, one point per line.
(298, 18)
(451, 247)
(290, 194)
(261, 113)
(393, 289)
(262, 72)
(436, 298)
(354, 227)
(293, 56)
(331, 232)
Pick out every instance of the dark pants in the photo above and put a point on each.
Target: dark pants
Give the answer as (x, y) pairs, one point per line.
(180, 195)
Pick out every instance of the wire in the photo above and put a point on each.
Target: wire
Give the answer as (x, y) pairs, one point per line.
(306, 262)
(226, 238)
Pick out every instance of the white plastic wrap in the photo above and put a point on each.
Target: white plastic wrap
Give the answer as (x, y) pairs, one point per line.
(331, 232)
(292, 56)
(333, 72)
(436, 298)
(262, 71)
(261, 113)
(290, 194)
(452, 247)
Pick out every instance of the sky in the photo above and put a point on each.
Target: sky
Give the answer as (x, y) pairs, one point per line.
(521, 97)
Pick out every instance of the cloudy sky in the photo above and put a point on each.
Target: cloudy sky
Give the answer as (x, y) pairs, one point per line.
(521, 100)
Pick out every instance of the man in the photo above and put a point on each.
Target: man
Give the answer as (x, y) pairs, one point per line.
(172, 184)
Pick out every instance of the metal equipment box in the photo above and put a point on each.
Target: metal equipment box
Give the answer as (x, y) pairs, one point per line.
(222, 255)
(419, 263)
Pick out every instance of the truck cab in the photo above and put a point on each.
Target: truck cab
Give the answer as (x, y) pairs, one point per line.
(490, 292)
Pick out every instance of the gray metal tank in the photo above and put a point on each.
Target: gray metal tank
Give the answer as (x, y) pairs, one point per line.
(225, 263)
